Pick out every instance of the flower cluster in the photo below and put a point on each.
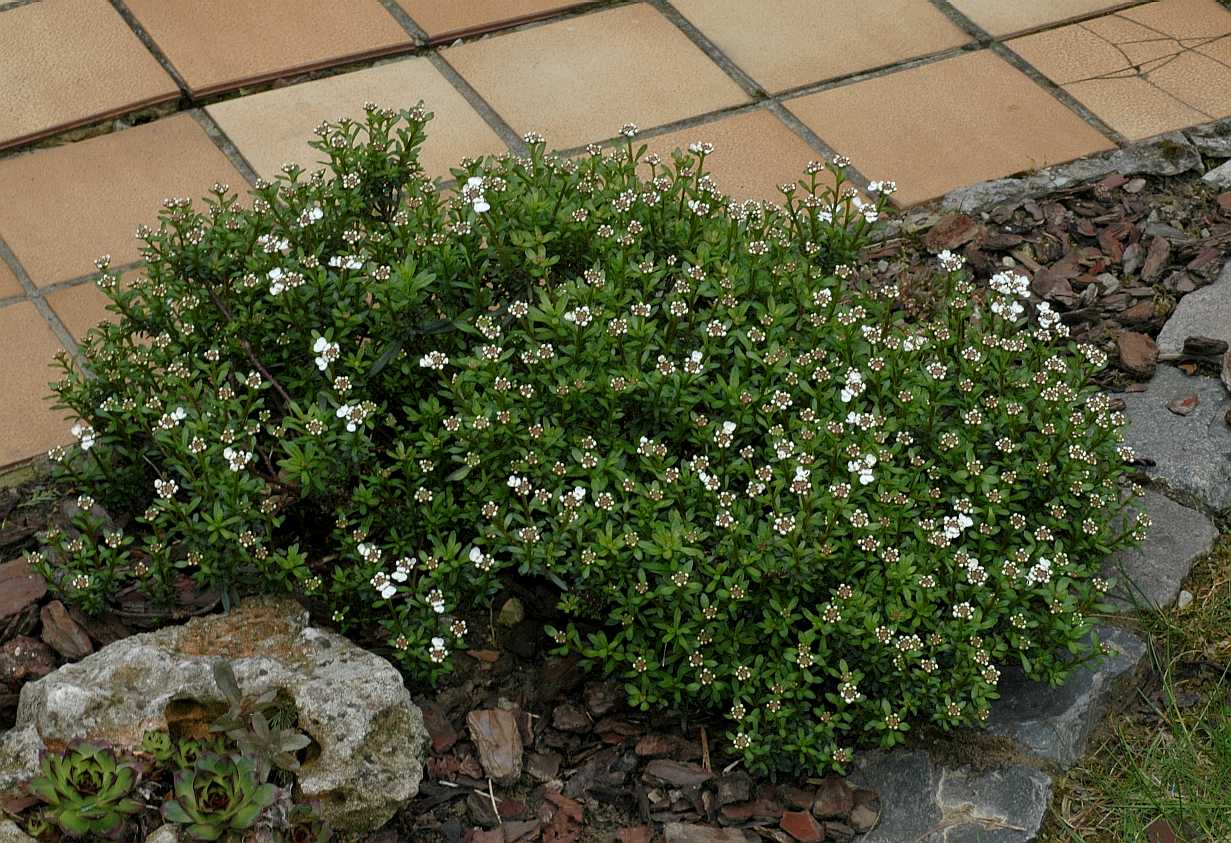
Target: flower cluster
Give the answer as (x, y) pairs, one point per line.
(759, 491)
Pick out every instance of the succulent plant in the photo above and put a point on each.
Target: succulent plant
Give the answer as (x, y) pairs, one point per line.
(87, 791)
(307, 825)
(160, 745)
(218, 797)
(257, 726)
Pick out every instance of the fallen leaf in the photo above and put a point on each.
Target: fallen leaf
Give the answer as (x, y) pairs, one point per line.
(1188, 367)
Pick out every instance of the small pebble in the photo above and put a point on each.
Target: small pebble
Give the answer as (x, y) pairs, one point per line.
(1184, 600)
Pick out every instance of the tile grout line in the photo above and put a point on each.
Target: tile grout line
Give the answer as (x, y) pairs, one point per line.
(405, 21)
(35, 297)
(225, 145)
(493, 118)
(999, 48)
(814, 140)
(1058, 93)
(761, 97)
(150, 44)
(711, 50)
(473, 98)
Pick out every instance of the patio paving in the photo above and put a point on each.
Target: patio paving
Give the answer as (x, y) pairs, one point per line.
(775, 41)
(69, 62)
(921, 121)
(220, 44)
(273, 128)
(580, 79)
(445, 21)
(1144, 70)
(934, 94)
(61, 208)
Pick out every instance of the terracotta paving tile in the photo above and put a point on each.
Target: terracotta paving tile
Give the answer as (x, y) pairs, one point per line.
(9, 286)
(68, 62)
(1002, 18)
(753, 153)
(444, 20)
(61, 208)
(581, 78)
(1143, 70)
(81, 307)
(787, 43)
(941, 125)
(28, 425)
(220, 44)
(274, 127)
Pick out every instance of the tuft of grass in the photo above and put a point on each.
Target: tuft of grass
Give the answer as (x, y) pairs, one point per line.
(1166, 763)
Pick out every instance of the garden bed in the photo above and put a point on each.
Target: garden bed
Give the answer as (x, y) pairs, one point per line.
(1110, 256)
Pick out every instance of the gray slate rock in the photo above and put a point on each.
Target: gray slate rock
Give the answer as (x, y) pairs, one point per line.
(1152, 574)
(1166, 155)
(351, 702)
(1219, 177)
(10, 833)
(1055, 723)
(923, 802)
(1202, 313)
(1212, 139)
(1192, 453)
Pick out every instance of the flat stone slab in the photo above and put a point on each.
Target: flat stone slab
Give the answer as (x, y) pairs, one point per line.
(1213, 139)
(1192, 454)
(1151, 574)
(1202, 313)
(1055, 723)
(923, 802)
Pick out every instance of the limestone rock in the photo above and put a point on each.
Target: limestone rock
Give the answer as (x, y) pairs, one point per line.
(1152, 573)
(1202, 313)
(1192, 454)
(1054, 723)
(352, 703)
(10, 833)
(164, 834)
(924, 802)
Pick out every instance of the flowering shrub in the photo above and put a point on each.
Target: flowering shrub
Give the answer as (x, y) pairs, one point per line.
(759, 490)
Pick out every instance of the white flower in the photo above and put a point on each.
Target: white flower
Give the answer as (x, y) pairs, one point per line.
(236, 460)
(434, 360)
(166, 489)
(349, 262)
(276, 284)
(950, 261)
(480, 206)
(179, 414)
(326, 352)
(728, 427)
